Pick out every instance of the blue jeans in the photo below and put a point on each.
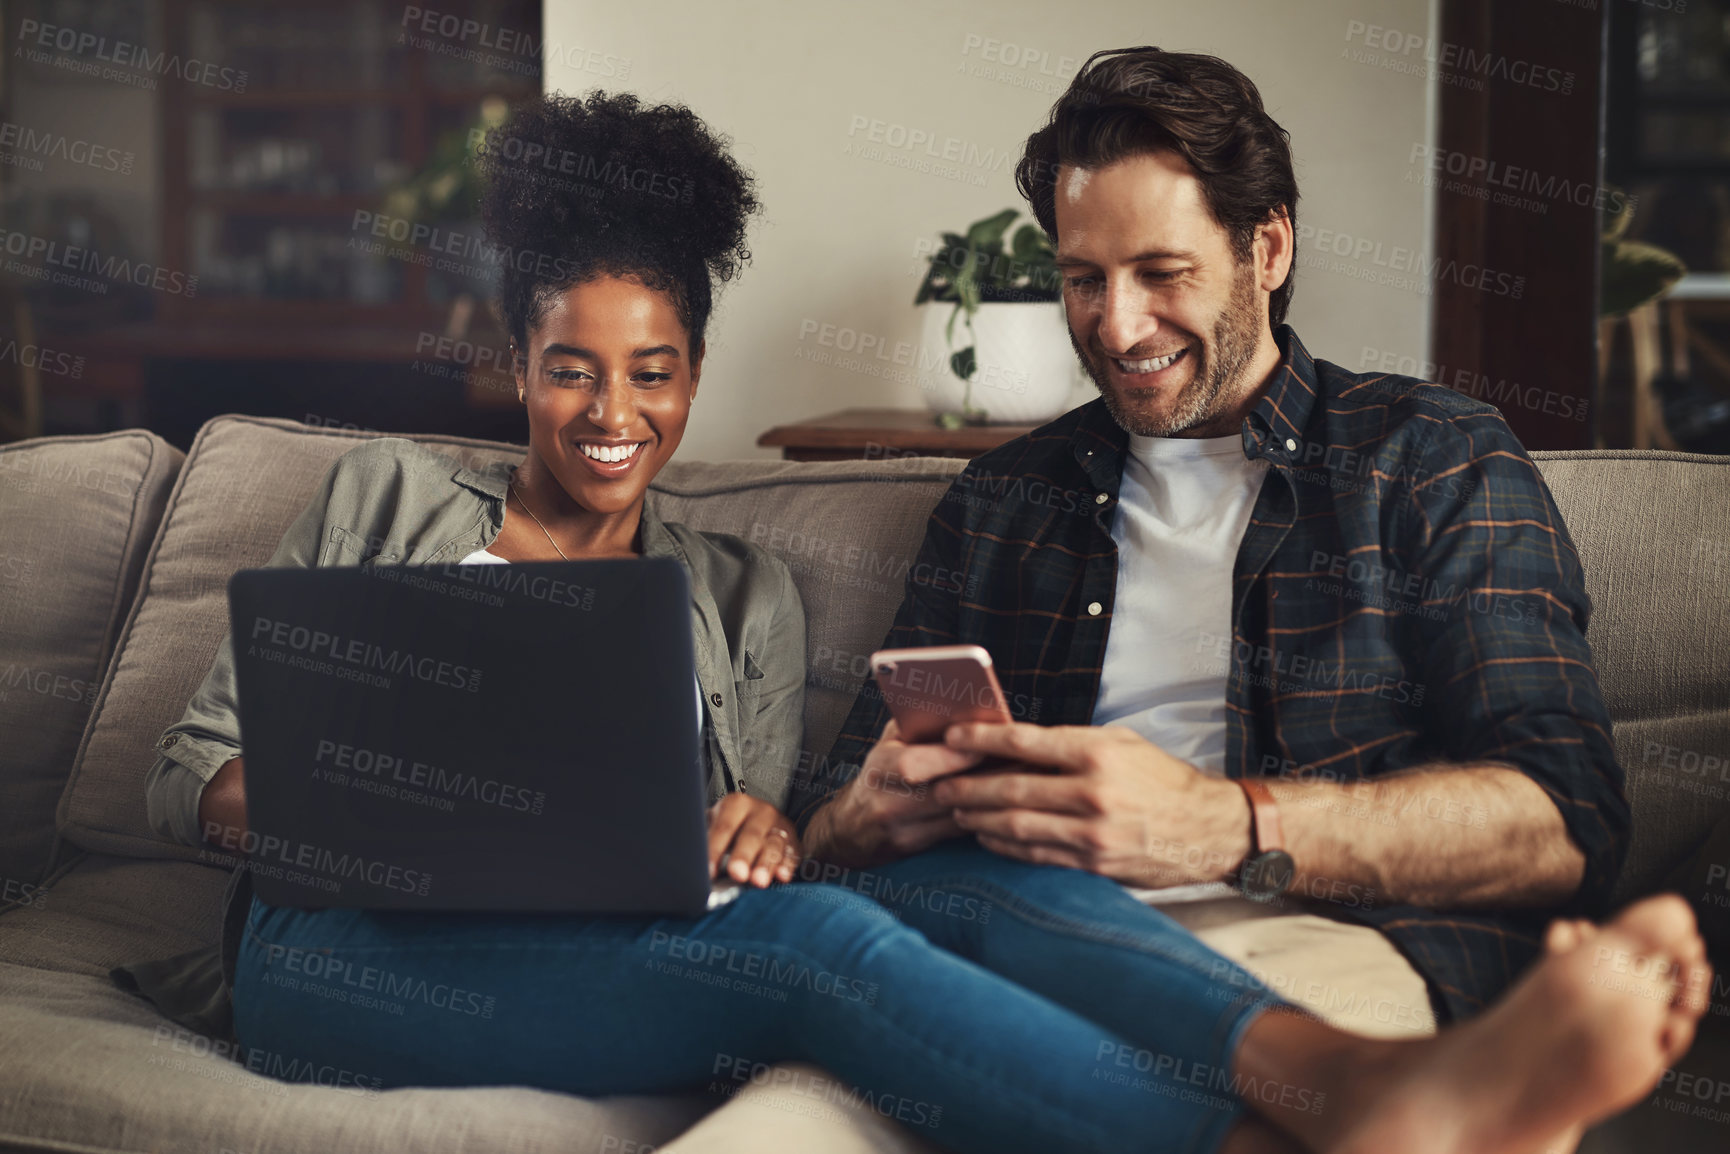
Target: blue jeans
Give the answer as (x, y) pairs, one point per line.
(987, 1004)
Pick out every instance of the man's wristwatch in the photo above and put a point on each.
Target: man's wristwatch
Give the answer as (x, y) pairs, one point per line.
(1268, 870)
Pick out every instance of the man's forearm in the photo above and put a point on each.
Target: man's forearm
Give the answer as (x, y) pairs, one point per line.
(823, 840)
(1443, 837)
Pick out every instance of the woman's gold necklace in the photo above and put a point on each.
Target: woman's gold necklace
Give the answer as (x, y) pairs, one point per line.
(537, 520)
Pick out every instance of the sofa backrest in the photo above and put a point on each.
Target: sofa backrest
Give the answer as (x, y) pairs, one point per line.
(1653, 531)
(76, 517)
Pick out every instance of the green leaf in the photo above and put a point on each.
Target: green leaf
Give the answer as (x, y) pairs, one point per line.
(933, 286)
(1030, 243)
(949, 329)
(987, 235)
(967, 288)
(949, 421)
(963, 363)
(1635, 273)
(1618, 214)
(939, 282)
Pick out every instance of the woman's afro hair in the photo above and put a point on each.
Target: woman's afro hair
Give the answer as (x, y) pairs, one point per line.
(603, 185)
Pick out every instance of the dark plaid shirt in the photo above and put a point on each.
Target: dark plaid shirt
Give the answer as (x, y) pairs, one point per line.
(1405, 593)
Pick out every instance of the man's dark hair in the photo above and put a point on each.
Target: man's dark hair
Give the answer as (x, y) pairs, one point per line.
(604, 185)
(1132, 101)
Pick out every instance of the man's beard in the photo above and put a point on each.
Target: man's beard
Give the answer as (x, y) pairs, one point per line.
(1206, 395)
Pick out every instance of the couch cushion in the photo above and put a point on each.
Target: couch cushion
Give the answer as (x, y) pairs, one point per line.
(109, 911)
(1653, 531)
(79, 514)
(84, 1066)
(793, 1108)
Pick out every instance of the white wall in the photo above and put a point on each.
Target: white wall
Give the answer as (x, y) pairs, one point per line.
(788, 80)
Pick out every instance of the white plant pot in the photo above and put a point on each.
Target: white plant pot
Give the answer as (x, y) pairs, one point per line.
(1026, 368)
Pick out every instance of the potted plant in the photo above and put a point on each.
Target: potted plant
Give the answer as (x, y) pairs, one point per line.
(1013, 341)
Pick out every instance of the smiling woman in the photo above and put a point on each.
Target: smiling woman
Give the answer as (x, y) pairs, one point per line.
(636, 212)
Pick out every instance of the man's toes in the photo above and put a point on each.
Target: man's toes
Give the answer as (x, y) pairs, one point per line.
(1676, 1037)
(1663, 921)
(1566, 1143)
(1566, 934)
(1694, 987)
(1691, 951)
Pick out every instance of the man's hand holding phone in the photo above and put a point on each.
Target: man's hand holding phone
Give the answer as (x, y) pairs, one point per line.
(1097, 798)
(887, 812)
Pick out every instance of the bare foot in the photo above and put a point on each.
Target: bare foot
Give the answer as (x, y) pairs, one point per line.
(1585, 1034)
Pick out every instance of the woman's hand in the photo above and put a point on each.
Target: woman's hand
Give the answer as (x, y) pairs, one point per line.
(760, 844)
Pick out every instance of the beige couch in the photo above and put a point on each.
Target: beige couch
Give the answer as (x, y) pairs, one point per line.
(114, 556)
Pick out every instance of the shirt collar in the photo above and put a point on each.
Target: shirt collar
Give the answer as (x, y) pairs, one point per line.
(493, 480)
(1274, 428)
(1276, 425)
(1098, 443)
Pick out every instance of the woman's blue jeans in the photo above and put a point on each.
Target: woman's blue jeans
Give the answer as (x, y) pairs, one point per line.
(987, 1004)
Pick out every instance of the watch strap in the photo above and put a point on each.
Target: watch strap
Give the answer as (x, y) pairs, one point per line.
(1265, 830)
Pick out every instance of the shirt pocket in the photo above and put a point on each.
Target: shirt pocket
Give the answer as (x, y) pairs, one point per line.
(748, 689)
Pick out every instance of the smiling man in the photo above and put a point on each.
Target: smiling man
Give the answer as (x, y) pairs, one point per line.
(1314, 635)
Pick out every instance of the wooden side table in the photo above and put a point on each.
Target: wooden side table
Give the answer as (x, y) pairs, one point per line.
(853, 434)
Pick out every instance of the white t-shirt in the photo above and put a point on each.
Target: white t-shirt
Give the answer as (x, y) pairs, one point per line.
(1182, 509)
(482, 557)
(1181, 514)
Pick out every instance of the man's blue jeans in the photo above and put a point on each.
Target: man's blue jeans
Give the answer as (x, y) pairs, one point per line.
(987, 1004)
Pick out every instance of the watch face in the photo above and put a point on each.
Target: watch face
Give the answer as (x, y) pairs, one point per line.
(1266, 876)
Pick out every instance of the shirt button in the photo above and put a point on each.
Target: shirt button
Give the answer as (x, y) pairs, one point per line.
(1290, 445)
(170, 740)
(715, 700)
(1094, 609)
(1100, 498)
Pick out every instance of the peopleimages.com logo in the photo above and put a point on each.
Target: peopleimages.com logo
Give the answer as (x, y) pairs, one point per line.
(88, 53)
(317, 650)
(325, 869)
